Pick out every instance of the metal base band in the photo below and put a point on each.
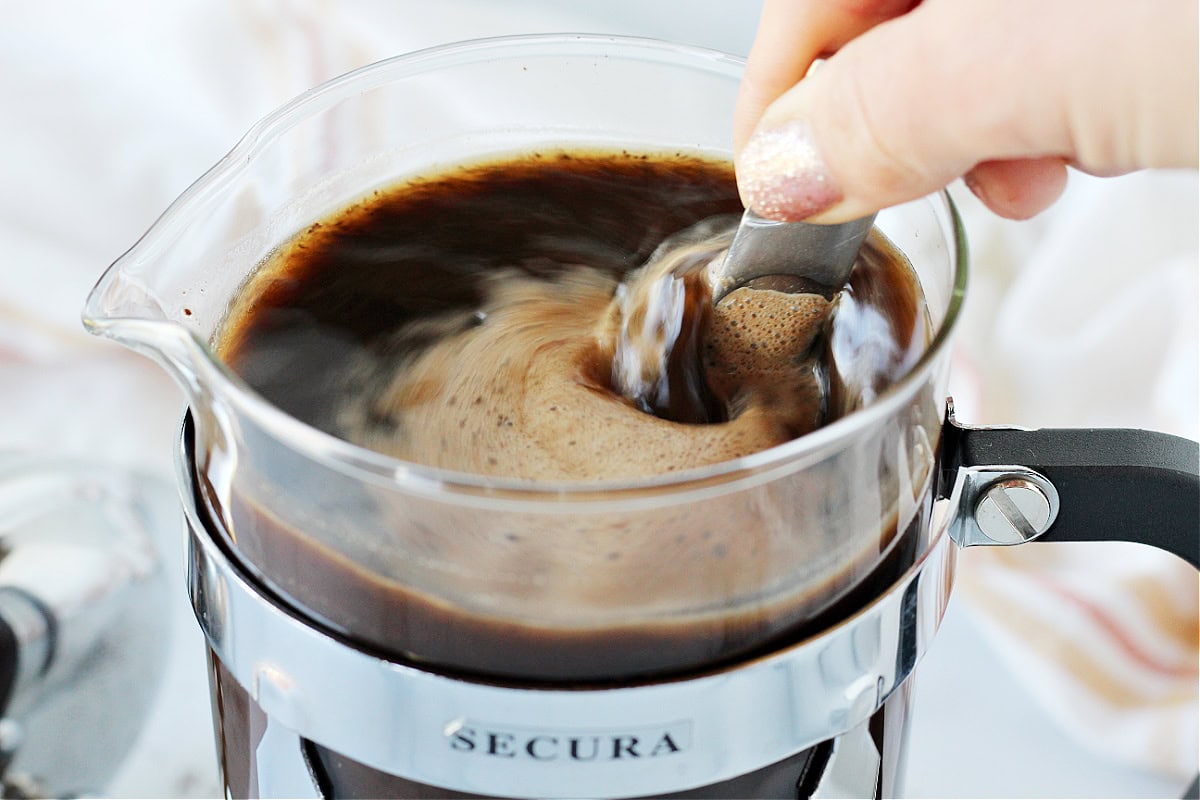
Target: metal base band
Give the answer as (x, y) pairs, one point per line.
(511, 741)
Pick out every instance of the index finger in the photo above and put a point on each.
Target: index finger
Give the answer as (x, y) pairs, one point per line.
(792, 34)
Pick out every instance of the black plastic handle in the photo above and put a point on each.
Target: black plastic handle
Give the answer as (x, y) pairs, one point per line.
(1113, 484)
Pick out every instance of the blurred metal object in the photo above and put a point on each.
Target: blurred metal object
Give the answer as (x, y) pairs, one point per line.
(83, 624)
(822, 254)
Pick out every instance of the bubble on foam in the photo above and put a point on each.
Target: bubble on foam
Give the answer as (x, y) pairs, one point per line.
(759, 336)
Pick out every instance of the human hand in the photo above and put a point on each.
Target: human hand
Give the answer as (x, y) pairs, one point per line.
(1004, 93)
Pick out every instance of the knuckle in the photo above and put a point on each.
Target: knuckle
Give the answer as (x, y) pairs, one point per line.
(880, 152)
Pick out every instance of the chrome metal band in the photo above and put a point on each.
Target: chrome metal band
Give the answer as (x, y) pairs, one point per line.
(620, 742)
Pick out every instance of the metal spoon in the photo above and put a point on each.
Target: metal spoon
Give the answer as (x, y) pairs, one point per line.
(822, 254)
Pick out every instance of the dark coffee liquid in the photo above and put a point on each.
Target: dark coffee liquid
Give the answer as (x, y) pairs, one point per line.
(409, 267)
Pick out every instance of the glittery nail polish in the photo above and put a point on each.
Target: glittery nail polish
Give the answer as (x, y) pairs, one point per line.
(782, 176)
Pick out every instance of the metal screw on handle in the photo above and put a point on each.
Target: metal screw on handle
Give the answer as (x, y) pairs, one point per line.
(1013, 511)
(1002, 505)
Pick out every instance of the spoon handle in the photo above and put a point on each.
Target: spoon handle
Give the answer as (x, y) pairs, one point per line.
(824, 254)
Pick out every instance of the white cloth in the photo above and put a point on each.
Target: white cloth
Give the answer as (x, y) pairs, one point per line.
(1086, 315)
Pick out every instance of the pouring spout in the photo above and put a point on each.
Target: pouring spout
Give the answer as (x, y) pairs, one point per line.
(119, 296)
(121, 307)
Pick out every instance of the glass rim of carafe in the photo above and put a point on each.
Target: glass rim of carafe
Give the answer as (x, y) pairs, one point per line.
(378, 467)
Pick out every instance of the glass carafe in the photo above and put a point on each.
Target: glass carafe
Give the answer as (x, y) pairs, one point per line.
(712, 562)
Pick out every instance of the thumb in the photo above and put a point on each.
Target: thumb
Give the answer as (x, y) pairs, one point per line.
(916, 102)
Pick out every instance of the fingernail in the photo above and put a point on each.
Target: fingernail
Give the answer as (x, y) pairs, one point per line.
(976, 188)
(782, 176)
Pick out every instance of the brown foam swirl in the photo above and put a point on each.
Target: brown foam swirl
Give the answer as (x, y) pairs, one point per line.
(529, 392)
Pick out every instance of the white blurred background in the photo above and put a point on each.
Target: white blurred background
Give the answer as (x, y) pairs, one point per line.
(1085, 316)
